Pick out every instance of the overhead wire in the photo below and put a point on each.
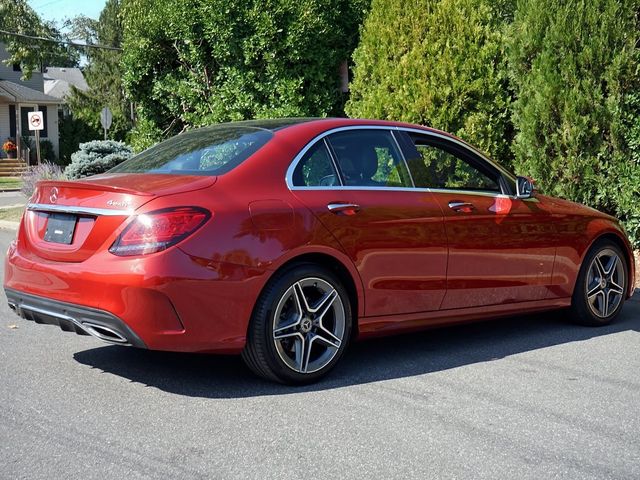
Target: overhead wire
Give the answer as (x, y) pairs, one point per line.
(62, 42)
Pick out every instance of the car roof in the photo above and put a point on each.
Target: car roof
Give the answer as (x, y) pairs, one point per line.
(320, 124)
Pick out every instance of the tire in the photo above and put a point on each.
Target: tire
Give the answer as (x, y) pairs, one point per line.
(601, 286)
(300, 327)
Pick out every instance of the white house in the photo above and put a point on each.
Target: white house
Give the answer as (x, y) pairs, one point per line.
(17, 98)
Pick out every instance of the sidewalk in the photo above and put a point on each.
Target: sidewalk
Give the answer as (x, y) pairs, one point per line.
(12, 199)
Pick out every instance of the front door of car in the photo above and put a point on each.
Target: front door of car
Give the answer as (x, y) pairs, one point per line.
(501, 249)
(357, 184)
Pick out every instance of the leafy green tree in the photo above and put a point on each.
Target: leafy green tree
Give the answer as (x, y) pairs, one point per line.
(575, 70)
(440, 63)
(192, 63)
(103, 74)
(17, 16)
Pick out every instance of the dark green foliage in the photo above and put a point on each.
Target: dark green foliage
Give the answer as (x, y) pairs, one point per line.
(575, 70)
(97, 157)
(46, 151)
(103, 74)
(192, 63)
(73, 131)
(439, 63)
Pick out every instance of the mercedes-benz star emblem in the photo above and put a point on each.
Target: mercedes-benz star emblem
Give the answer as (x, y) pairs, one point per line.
(53, 198)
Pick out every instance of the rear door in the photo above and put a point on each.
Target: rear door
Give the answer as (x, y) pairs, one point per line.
(357, 184)
(501, 249)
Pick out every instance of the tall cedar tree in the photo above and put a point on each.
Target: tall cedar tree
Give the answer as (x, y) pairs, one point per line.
(575, 70)
(103, 74)
(440, 63)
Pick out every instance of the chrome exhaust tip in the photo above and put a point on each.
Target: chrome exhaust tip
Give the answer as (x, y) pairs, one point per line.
(104, 333)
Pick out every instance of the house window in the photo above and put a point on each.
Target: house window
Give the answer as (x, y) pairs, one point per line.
(12, 121)
(16, 67)
(25, 121)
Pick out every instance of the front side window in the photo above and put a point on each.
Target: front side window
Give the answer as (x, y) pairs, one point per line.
(205, 151)
(439, 164)
(369, 158)
(316, 169)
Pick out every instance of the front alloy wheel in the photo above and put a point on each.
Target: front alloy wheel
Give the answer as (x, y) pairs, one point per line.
(602, 285)
(605, 282)
(300, 327)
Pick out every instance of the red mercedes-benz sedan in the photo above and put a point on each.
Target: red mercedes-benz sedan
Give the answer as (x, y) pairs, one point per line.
(284, 240)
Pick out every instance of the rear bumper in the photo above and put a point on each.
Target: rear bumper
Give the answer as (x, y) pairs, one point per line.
(73, 318)
(169, 301)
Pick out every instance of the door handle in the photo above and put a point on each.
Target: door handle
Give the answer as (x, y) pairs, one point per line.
(458, 206)
(343, 208)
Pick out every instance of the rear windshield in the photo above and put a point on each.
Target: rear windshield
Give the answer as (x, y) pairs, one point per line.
(206, 151)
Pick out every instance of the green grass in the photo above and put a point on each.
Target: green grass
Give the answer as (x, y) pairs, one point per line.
(12, 214)
(9, 182)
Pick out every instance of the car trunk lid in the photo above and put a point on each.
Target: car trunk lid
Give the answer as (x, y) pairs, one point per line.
(68, 221)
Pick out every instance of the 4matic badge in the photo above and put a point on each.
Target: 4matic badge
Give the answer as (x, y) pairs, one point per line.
(118, 203)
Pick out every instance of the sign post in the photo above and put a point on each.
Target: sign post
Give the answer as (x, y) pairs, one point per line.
(105, 119)
(36, 122)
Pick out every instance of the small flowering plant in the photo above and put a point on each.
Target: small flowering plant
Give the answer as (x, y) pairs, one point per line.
(9, 146)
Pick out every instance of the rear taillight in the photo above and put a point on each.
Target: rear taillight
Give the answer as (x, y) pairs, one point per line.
(156, 231)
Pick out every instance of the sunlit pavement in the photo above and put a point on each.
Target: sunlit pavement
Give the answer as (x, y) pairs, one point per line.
(531, 397)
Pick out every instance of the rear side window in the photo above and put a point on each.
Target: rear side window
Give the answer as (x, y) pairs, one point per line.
(369, 158)
(206, 151)
(316, 169)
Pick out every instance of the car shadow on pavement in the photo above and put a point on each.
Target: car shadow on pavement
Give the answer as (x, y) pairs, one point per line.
(213, 376)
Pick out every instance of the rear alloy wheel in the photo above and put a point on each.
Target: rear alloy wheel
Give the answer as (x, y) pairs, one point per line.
(300, 327)
(601, 287)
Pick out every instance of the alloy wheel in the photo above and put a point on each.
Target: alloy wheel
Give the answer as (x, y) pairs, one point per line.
(309, 325)
(605, 283)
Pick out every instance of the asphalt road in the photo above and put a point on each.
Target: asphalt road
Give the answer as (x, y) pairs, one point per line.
(524, 398)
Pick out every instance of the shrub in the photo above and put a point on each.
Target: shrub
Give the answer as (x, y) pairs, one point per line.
(196, 63)
(440, 63)
(44, 171)
(97, 157)
(575, 70)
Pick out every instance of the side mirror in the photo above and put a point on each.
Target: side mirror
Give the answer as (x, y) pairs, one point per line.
(524, 187)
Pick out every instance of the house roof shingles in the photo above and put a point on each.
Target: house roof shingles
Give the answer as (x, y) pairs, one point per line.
(58, 81)
(19, 93)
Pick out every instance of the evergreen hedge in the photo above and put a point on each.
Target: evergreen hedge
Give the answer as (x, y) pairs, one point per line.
(438, 63)
(575, 70)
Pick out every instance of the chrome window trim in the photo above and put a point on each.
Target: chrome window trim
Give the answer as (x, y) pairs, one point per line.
(45, 207)
(334, 162)
(391, 128)
(404, 159)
